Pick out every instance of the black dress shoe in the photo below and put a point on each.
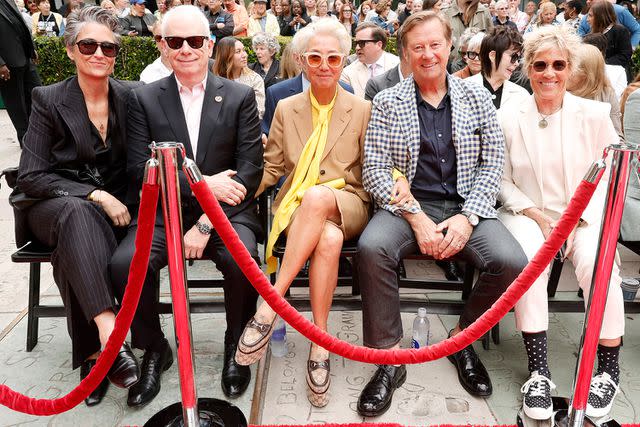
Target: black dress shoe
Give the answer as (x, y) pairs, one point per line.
(154, 363)
(96, 395)
(471, 372)
(125, 371)
(235, 378)
(375, 398)
(451, 270)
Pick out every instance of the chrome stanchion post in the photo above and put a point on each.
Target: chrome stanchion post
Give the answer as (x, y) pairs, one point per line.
(166, 153)
(609, 231)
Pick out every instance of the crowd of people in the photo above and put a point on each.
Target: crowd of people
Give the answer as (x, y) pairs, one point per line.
(465, 146)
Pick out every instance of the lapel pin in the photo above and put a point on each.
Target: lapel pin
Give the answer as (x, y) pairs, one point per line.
(218, 98)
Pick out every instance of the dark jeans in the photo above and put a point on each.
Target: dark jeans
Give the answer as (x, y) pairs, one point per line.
(389, 238)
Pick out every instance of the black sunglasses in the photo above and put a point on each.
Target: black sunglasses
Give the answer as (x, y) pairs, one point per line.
(471, 55)
(89, 47)
(516, 57)
(557, 65)
(362, 43)
(195, 42)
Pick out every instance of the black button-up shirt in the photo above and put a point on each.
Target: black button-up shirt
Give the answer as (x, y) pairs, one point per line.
(436, 171)
(496, 95)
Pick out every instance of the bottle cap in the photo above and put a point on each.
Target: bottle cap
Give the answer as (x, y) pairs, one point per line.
(422, 312)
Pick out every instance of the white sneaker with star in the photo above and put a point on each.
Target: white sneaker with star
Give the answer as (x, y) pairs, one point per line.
(536, 399)
(601, 394)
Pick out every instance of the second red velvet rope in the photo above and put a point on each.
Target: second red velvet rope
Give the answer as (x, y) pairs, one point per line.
(543, 257)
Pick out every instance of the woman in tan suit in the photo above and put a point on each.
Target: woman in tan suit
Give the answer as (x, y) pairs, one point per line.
(316, 141)
(551, 140)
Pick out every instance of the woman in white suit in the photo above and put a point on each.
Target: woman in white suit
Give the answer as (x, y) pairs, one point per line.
(551, 139)
(500, 53)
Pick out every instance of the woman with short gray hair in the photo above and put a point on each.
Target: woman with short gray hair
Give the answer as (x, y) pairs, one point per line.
(266, 47)
(73, 172)
(316, 143)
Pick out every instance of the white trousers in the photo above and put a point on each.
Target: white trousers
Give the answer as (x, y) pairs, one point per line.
(532, 311)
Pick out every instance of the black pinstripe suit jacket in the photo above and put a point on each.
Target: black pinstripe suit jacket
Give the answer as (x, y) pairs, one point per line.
(59, 137)
(229, 138)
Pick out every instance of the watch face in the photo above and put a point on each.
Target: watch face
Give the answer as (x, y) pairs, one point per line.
(473, 219)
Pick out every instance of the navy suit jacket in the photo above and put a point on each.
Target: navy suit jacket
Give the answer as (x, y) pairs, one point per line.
(283, 90)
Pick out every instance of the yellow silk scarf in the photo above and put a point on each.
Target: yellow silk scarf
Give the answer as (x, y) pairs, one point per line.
(305, 176)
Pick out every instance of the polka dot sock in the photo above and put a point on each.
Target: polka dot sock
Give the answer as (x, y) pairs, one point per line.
(608, 362)
(536, 346)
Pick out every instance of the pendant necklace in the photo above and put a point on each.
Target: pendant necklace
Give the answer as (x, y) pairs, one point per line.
(542, 123)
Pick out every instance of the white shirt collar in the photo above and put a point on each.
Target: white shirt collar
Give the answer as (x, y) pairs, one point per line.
(203, 83)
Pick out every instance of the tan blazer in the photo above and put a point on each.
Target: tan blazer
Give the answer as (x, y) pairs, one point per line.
(358, 74)
(586, 130)
(342, 158)
(511, 92)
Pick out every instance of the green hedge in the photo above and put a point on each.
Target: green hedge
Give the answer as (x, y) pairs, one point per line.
(135, 54)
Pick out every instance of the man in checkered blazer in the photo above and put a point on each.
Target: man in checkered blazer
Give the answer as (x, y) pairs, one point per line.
(434, 155)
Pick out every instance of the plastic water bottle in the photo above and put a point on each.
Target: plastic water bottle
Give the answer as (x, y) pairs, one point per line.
(420, 336)
(279, 339)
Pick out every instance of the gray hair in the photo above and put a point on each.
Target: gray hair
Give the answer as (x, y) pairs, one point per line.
(502, 3)
(186, 12)
(329, 27)
(468, 35)
(267, 40)
(551, 37)
(77, 20)
(475, 41)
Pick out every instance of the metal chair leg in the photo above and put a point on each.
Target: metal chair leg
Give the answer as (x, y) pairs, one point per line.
(34, 303)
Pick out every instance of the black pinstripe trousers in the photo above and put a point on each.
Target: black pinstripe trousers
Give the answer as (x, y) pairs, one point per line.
(84, 241)
(239, 296)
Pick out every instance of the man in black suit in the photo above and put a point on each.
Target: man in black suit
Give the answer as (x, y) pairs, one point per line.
(18, 75)
(391, 77)
(217, 121)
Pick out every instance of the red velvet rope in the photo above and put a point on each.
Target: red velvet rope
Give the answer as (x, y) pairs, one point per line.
(137, 272)
(569, 219)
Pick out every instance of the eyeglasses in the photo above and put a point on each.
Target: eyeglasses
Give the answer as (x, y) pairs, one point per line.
(362, 43)
(557, 65)
(471, 55)
(314, 60)
(157, 38)
(89, 47)
(194, 42)
(516, 57)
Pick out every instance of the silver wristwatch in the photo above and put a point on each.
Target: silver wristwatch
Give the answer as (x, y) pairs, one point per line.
(471, 217)
(203, 228)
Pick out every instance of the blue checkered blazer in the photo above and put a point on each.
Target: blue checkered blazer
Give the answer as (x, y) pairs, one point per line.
(393, 141)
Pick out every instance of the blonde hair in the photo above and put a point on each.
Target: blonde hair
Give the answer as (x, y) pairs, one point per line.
(590, 67)
(288, 66)
(551, 37)
(542, 8)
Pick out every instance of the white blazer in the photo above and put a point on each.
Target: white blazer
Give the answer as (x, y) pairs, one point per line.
(510, 91)
(358, 74)
(586, 131)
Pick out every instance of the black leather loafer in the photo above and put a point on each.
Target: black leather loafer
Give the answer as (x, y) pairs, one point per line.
(471, 372)
(375, 398)
(154, 363)
(451, 270)
(96, 395)
(125, 371)
(235, 377)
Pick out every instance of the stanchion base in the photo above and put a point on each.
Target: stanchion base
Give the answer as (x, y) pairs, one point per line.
(561, 417)
(213, 413)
